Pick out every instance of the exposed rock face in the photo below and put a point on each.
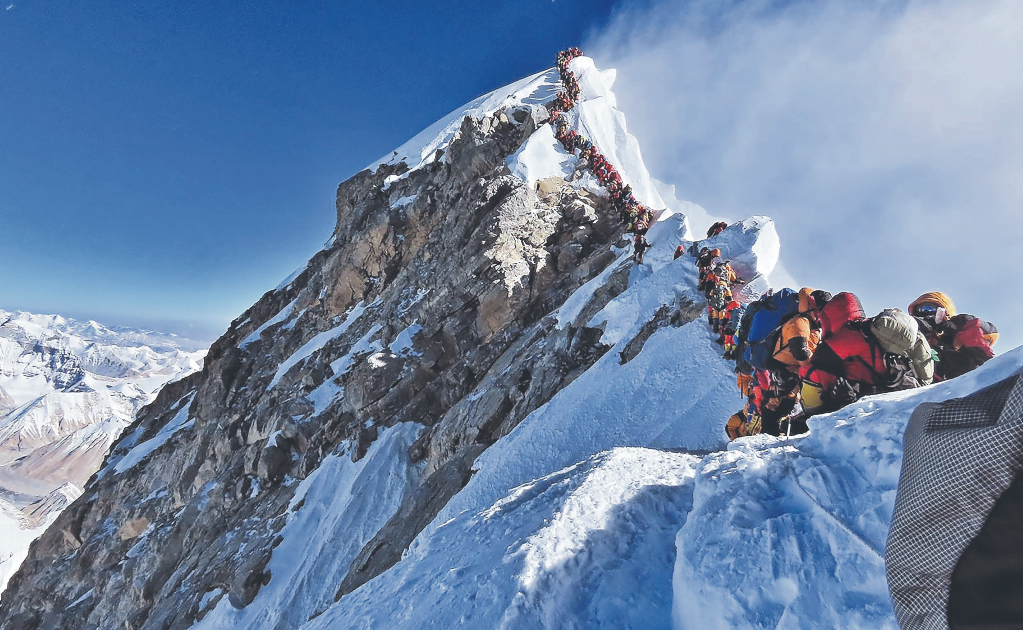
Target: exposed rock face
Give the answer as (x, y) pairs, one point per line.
(431, 305)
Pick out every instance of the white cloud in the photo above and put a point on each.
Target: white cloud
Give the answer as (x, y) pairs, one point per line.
(884, 138)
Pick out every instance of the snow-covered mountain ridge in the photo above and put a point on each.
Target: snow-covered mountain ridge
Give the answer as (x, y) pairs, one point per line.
(67, 391)
(471, 409)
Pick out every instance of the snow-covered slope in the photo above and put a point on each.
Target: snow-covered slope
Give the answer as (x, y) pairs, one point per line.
(619, 504)
(768, 533)
(67, 390)
(423, 148)
(474, 402)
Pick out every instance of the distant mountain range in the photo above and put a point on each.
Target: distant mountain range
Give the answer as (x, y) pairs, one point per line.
(67, 391)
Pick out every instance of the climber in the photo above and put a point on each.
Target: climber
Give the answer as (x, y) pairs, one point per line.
(703, 263)
(859, 356)
(639, 245)
(720, 295)
(774, 397)
(971, 346)
(742, 423)
(786, 325)
(774, 338)
(638, 220)
(961, 342)
(722, 272)
(760, 330)
(645, 218)
(716, 229)
(844, 361)
(932, 311)
(733, 315)
(800, 333)
(769, 402)
(718, 283)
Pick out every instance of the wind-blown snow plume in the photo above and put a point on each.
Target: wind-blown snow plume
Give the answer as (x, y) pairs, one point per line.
(868, 130)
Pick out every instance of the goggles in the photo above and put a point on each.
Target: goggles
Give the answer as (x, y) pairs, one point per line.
(925, 310)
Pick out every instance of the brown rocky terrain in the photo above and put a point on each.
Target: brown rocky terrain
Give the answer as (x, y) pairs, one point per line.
(460, 255)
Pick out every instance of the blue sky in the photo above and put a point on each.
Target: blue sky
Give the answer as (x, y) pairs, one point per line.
(165, 165)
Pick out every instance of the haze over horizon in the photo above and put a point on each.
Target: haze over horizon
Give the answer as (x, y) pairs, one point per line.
(164, 167)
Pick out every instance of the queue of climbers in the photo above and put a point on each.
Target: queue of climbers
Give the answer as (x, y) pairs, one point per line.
(636, 217)
(797, 353)
(806, 352)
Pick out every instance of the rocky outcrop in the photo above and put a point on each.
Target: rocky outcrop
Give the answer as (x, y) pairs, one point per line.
(431, 305)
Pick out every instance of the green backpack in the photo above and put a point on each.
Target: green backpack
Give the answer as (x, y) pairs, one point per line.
(898, 333)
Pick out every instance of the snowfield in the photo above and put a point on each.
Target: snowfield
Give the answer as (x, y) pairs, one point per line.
(766, 533)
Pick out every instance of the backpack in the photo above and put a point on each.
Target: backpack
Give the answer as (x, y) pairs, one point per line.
(735, 316)
(898, 333)
(759, 329)
(857, 355)
(706, 257)
(973, 332)
(839, 311)
(895, 330)
(742, 332)
(722, 272)
(720, 296)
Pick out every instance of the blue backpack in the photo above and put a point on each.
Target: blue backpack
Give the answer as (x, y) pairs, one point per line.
(766, 317)
(735, 318)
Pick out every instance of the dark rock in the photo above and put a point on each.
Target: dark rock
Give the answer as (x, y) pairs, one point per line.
(274, 463)
(251, 576)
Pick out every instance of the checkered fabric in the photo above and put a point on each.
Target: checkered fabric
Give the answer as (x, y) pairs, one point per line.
(958, 458)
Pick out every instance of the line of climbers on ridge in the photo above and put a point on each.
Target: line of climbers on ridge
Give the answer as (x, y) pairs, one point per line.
(797, 353)
(636, 217)
(806, 352)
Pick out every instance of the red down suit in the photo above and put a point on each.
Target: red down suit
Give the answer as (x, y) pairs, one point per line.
(844, 350)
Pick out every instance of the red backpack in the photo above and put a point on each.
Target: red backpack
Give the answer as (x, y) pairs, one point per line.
(842, 309)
